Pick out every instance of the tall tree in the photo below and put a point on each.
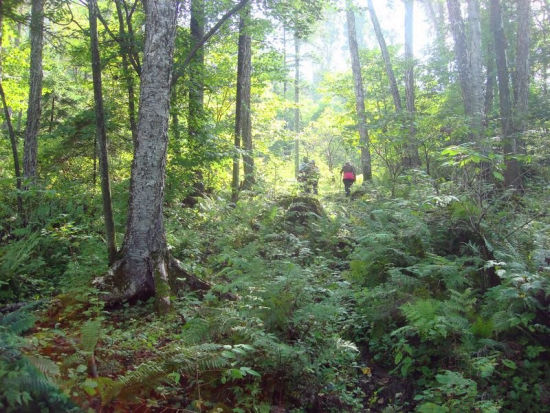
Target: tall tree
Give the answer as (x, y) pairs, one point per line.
(476, 68)
(101, 133)
(35, 90)
(411, 158)
(125, 45)
(523, 45)
(386, 56)
(145, 265)
(512, 176)
(364, 142)
(458, 31)
(246, 118)
(243, 126)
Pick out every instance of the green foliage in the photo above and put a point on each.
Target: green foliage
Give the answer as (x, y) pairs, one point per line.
(26, 380)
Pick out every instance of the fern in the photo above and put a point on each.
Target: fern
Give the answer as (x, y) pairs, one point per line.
(188, 360)
(90, 333)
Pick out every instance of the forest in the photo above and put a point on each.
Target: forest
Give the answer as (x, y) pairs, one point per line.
(274, 206)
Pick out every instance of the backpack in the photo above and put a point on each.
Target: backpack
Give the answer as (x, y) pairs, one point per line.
(349, 175)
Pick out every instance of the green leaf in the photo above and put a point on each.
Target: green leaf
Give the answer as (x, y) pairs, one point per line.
(509, 363)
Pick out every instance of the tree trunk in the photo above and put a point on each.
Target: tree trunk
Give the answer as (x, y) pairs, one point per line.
(145, 266)
(489, 85)
(512, 177)
(522, 69)
(461, 53)
(386, 56)
(125, 51)
(101, 134)
(243, 131)
(296, 103)
(476, 70)
(35, 90)
(411, 158)
(364, 142)
(245, 49)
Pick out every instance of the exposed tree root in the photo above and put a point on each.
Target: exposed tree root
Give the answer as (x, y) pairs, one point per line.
(138, 278)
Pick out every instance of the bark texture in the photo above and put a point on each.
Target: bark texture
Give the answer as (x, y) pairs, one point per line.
(364, 142)
(512, 177)
(145, 266)
(101, 134)
(35, 90)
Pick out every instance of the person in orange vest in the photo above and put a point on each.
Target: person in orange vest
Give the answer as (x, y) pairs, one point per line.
(348, 176)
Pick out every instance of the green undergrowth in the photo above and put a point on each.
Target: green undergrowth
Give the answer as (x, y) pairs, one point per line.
(429, 302)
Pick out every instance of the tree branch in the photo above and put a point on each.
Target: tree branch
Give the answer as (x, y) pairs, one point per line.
(179, 69)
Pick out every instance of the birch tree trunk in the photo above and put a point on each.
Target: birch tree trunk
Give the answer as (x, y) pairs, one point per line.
(35, 91)
(411, 158)
(101, 134)
(146, 267)
(512, 177)
(364, 142)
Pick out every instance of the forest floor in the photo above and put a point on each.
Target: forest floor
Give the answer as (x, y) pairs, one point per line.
(340, 304)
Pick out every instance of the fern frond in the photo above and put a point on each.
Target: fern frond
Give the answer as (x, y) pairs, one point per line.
(44, 365)
(90, 333)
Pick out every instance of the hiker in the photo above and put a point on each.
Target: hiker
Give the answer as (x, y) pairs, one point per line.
(303, 174)
(313, 177)
(348, 176)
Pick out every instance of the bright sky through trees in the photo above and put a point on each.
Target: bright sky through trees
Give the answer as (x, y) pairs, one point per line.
(391, 15)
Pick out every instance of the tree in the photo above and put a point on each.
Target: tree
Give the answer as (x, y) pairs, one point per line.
(145, 265)
(35, 90)
(476, 68)
(386, 56)
(522, 67)
(364, 142)
(126, 56)
(243, 126)
(461, 54)
(101, 133)
(512, 177)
